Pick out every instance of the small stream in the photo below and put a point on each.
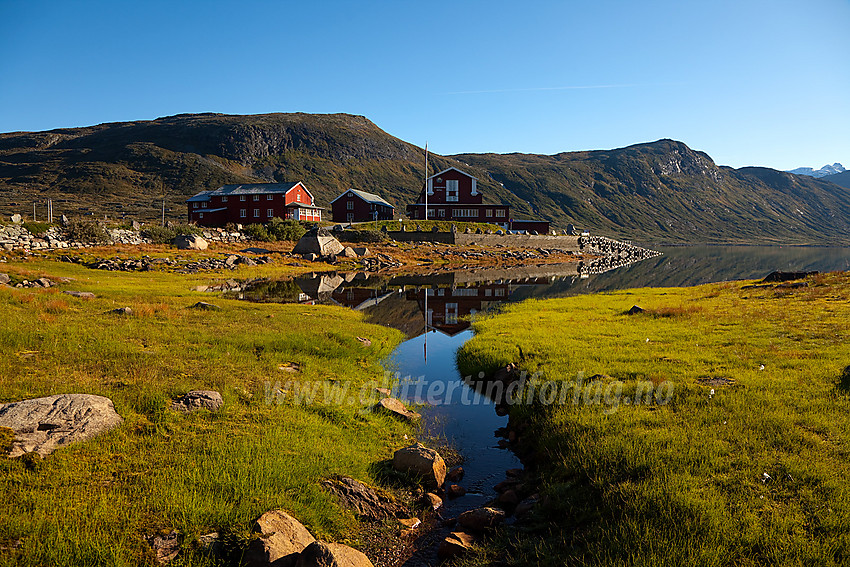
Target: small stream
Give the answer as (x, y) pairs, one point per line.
(434, 310)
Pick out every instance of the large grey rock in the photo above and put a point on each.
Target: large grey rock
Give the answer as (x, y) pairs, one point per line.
(322, 554)
(16, 219)
(43, 425)
(318, 242)
(282, 538)
(4, 278)
(198, 399)
(189, 242)
(423, 462)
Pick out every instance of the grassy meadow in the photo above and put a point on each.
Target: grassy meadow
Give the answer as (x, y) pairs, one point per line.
(93, 503)
(743, 458)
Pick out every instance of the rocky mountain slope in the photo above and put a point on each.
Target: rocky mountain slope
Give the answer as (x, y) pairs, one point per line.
(656, 192)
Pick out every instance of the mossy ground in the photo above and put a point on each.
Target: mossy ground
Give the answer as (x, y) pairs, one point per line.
(94, 503)
(757, 473)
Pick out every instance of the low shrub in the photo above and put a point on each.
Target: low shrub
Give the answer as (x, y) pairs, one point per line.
(285, 229)
(36, 228)
(159, 234)
(257, 232)
(86, 231)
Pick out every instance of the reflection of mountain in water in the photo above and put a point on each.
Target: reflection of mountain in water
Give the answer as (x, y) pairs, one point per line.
(453, 297)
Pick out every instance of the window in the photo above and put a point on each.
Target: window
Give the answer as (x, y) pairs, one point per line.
(256, 213)
(474, 187)
(241, 197)
(430, 186)
(224, 199)
(200, 215)
(243, 213)
(465, 213)
(269, 197)
(430, 213)
(349, 217)
(451, 313)
(270, 213)
(204, 205)
(195, 204)
(500, 212)
(256, 197)
(451, 190)
(441, 213)
(489, 213)
(349, 205)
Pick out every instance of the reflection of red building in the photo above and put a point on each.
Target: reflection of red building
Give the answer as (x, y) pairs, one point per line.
(449, 309)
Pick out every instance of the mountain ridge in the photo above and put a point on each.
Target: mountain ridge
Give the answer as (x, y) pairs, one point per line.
(660, 191)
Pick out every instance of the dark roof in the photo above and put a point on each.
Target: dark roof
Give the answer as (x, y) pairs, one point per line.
(245, 189)
(368, 197)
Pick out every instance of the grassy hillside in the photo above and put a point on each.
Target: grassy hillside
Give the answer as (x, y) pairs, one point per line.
(661, 191)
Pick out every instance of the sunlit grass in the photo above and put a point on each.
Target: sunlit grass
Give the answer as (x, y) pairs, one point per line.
(94, 503)
(683, 483)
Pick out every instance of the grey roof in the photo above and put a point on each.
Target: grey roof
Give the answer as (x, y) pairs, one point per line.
(244, 189)
(368, 197)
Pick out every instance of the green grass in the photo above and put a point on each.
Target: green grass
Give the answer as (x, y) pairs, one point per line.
(683, 483)
(93, 503)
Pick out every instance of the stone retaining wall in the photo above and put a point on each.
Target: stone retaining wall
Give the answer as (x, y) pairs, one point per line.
(16, 237)
(563, 242)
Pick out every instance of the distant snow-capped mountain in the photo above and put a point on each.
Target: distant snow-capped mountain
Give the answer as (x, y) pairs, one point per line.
(825, 170)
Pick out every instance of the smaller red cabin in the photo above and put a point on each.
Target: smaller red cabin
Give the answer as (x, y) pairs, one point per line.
(253, 203)
(360, 206)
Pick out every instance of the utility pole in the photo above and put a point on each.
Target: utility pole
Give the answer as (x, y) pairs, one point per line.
(33, 212)
(163, 213)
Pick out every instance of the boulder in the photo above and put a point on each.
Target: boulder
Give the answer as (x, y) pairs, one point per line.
(361, 498)
(319, 242)
(347, 252)
(455, 474)
(455, 491)
(198, 399)
(282, 538)
(189, 242)
(80, 294)
(362, 250)
(204, 306)
(481, 519)
(397, 408)
(635, 310)
(432, 500)
(16, 219)
(166, 547)
(43, 425)
(456, 543)
(120, 311)
(4, 278)
(322, 554)
(423, 462)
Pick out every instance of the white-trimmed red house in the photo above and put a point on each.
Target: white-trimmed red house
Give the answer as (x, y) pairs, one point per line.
(249, 203)
(359, 206)
(453, 195)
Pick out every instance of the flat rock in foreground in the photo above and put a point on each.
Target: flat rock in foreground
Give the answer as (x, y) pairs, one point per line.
(282, 538)
(43, 425)
(322, 554)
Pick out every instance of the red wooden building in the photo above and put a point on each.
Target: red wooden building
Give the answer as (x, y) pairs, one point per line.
(360, 206)
(252, 203)
(453, 195)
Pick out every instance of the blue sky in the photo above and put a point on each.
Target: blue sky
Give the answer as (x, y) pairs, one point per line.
(749, 82)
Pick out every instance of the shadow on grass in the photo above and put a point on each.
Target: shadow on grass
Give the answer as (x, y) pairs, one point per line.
(843, 384)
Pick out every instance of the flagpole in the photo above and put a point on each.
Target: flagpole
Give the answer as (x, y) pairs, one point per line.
(426, 180)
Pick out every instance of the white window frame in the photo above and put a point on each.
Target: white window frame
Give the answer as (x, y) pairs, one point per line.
(270, 213)
(200, 215)
(224, 199)
(452, 190)
(269, 197)
(243, 213)
(500, 213)
(241, 197)
(195, 205)
(489, 213)
(349, 205)
(204, 205)
(256, 213)
(256, 197)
